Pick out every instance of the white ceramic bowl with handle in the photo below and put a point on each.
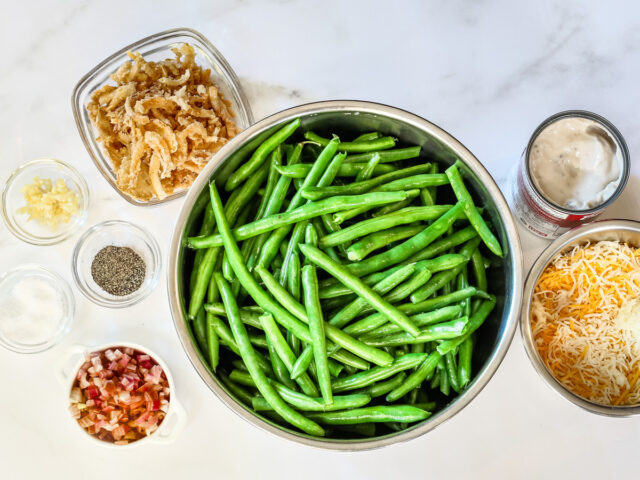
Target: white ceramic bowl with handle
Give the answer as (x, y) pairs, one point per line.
(175, 419)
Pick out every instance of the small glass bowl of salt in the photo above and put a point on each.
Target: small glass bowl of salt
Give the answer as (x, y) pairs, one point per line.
(37, 309)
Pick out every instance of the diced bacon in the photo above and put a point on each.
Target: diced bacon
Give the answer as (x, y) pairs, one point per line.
(112, 411)
(84, 383)
(97, 363)
(118, 433)
(93, 391)
(85, 422)
(124, 397)
(75, 411)
(124, 360)
(143, 418)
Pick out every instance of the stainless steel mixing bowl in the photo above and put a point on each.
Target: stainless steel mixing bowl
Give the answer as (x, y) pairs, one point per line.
(611, 230)
(350, 118)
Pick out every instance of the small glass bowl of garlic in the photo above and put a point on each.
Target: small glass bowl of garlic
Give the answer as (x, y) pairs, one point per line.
(45, 201)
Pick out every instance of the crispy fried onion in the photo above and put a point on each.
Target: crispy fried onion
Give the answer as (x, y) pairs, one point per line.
(160, 123)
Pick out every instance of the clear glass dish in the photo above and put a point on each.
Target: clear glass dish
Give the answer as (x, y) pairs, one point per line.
(33, 231)
(23, 328)
(155, 47)
(122, 234)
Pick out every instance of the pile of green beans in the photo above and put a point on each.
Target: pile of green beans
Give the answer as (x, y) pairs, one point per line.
(337, 286)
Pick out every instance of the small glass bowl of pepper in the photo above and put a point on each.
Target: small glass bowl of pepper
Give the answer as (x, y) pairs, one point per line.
(116, 264)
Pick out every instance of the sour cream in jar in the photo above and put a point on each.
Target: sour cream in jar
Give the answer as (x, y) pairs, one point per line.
(575, 165)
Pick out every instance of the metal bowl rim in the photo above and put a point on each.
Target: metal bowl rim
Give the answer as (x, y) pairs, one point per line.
(514, 295)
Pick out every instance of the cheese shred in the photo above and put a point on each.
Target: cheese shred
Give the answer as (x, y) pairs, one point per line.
(585, 322)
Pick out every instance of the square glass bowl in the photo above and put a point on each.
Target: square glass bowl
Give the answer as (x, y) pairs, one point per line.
(155, 47)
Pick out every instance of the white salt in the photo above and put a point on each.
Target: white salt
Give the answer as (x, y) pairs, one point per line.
(31, 311)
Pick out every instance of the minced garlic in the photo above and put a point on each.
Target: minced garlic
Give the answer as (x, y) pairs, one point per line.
(48, 203)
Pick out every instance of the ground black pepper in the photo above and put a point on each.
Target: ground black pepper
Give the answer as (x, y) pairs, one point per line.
(118, 270)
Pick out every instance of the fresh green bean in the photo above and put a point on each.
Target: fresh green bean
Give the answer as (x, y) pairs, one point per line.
(260, 154)
(341, 403)
(377, 240)
(376, 320)
(447, 243)
(351, 310)
(275, 239)
(416, 378)
(300, 170)
(302, 362)
(273, 207)
(316, 329)
(421, 320)
(304, 402)
(249, 358)
(240, 393)
(310, 210)
(321, 259)
(367, 172)
(382, 143)
(248, 316)
(213, 343)
(293, 279)
(365, 137)
(407, 248)
(279, 368)
(402, 183)
(476, 320)
(413, 184)
(285, 353)
(365, 186)
(452, 371)
(318, 222)
(208, 224)
(267, 303)
(334, 334)
(386, 156)
(363, 379)
(433, 190)
(425, 197)
(465, 354)
(477, 262)
(470, 210)
(401, 217)
(439, 331)
(445, 385)
(402, 291)
(382, 388)
(299, 229)
(236, 204)
(443, 278)
(379, 413)
(272, 180)
(199, 325)
(394, 207)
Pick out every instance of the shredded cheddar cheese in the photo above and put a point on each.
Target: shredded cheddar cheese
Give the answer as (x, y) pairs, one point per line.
(586, 324)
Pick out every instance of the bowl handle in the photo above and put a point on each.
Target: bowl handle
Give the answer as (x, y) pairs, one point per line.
(63, 363)
(168, 434)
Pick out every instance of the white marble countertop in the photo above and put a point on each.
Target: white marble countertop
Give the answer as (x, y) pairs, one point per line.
(488, 72)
